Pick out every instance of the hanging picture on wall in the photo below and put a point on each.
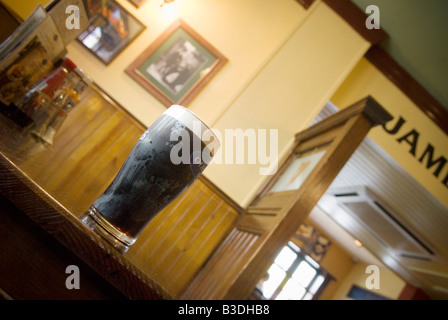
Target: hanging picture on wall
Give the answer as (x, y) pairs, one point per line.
(110, 31)
(312, 242)
(137, 3)
(297, 172)
(177, 65)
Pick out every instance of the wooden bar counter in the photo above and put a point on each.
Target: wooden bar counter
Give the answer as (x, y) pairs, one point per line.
(46, 189)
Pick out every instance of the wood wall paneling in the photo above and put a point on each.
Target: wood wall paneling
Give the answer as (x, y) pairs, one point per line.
(180, 239)
(88, 151)
(217, 275)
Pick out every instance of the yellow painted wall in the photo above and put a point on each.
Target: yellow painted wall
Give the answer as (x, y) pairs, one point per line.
(390, 285)
(289, 90)
(246, 32)
(367, 80)
(338, 263)
(23, 8)
(347, 272)
(284, 63)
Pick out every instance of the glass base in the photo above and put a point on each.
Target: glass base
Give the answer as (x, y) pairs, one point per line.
(96, 222)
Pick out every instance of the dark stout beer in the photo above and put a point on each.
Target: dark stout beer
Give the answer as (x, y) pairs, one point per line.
(153, 175)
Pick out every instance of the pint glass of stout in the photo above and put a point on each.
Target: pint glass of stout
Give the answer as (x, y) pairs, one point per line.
(169, 156)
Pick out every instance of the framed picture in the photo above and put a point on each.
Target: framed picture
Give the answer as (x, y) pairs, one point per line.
(358, 293)
(137, 3)
(111, 29)
(177, 65)
(297, 172)
(311, 242)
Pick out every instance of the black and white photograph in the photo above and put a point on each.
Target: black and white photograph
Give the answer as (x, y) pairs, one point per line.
(176, 66)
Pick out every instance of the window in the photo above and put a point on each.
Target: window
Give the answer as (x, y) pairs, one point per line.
(293, 276)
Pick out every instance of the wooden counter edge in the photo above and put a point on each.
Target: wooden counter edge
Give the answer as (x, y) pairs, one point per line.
(49, 214)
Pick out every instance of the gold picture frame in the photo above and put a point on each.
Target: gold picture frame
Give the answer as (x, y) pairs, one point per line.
(111, 29)
(177, 65)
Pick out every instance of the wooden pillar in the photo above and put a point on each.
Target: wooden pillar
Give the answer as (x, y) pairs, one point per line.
(275, 215)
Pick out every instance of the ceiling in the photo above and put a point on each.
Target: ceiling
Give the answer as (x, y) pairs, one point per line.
(418, 40)
(412, 240)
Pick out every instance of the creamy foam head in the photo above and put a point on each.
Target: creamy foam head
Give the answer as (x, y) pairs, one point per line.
(190, 120)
